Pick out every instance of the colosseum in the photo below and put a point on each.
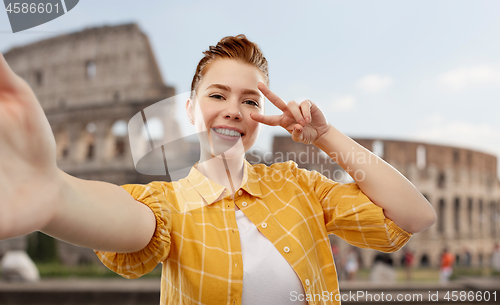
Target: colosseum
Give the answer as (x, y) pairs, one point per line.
(88, 85)
(461, 184)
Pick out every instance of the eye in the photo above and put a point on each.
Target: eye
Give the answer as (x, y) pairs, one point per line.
(217, 96)
(253, 103)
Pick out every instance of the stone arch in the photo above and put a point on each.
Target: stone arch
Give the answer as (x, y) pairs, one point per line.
(456, 214)
(86, 143)
(441, 216)
(90, 69)
(421, 157)
(62, 144)
(481, 216)
(39, 79)
(441, 180)
(492, 219)
(424, 260)
(378, 148)
(469, 216)
(456, 156)
(90, 149)
(119, 133)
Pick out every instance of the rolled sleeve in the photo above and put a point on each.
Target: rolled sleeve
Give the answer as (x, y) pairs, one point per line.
(136, 264)
(351, 215)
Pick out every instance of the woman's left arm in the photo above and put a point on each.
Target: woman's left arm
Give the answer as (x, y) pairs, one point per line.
(382, 183)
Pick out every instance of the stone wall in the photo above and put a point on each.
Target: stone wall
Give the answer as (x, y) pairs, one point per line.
(90, 84)
(461, 184)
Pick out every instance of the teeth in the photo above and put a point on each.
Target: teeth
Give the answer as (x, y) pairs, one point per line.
(227, 132)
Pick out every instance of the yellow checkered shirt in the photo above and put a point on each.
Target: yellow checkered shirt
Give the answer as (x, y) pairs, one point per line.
(197, 237)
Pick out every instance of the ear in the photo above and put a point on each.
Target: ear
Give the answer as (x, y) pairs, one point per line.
(190, 110)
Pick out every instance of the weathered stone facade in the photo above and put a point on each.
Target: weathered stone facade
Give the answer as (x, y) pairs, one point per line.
(90, 84)
(460, 183)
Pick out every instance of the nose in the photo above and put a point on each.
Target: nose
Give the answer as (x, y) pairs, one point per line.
(232, 111)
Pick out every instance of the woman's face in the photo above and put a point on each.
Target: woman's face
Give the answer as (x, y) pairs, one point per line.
(225, 97)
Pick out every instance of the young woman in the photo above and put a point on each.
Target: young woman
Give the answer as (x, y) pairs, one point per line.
(230, 232)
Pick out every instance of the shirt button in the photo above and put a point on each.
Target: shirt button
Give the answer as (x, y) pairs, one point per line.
(240, 192)
(264, 225)
(244, 203)
(286, 249)
(307, 282)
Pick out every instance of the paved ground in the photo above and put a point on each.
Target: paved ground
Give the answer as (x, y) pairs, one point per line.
(146, 291)
(101, 285)
(463, 291)
(492, 283)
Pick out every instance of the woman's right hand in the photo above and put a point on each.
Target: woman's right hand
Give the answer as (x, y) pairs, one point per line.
(29, 176)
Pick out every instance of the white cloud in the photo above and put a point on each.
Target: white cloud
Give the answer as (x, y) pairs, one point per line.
(462, 133)
(374, 83)
(343, 104)
(432, 120)
(463, 78)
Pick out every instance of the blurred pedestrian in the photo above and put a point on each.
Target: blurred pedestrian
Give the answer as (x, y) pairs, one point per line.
(467, 257)
(408, 259)
(495, 258)
(335, 252)
(383, 269)
(446, 270)
(351, 264)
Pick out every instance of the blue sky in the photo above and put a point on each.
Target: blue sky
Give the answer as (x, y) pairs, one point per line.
(411, 70)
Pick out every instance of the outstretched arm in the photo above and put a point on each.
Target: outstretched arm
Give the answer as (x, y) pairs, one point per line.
(100, 216)
(382, 183)
(36, 195)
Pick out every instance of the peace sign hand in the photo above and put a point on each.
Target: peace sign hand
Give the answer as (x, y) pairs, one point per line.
(305, 121)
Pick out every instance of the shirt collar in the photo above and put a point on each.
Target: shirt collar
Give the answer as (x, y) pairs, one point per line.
(211, 191)
(250, 182)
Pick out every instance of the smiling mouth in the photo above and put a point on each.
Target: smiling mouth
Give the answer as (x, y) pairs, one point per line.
(228, 132)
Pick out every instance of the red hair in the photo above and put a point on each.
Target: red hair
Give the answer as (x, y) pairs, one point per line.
(232, 47)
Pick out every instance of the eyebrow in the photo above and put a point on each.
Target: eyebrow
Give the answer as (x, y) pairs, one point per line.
(227, 88)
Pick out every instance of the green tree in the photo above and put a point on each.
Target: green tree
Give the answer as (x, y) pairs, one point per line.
(42, 248)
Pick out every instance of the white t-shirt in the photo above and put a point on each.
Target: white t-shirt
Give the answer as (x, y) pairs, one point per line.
(267, 277)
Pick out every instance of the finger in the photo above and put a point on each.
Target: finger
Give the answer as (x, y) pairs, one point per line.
(295, 110)
(305, 108)
(297, 133)
(271, 120)
(271, 96)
